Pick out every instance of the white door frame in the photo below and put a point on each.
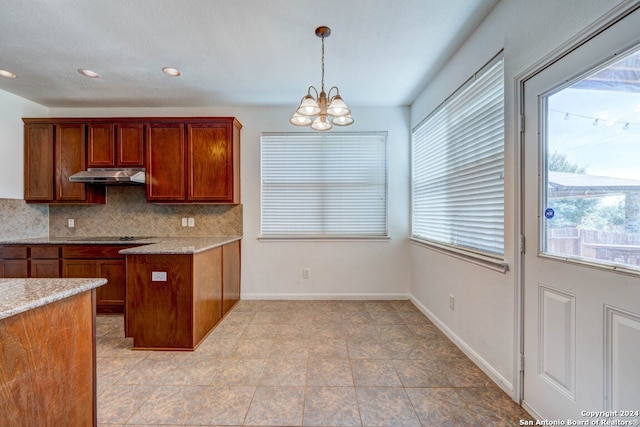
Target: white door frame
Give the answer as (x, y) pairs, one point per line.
(616, 14)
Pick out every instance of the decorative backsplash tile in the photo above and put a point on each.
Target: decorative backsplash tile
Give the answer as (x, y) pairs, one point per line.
(126, 213)
(20, 220)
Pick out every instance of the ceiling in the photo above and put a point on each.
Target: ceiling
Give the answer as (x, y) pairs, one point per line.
(230, 52)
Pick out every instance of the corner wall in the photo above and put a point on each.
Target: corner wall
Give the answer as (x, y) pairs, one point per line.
(483, 322)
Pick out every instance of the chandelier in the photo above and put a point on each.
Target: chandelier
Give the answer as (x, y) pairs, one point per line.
(323, 110)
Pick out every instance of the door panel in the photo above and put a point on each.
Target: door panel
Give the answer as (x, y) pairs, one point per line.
(582, 307)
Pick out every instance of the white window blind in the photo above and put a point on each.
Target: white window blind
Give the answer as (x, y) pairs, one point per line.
(324, 185)
(458, 167)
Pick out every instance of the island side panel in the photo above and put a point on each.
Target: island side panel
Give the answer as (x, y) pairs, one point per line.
(48, 364)
(207, 292)
(159, 312)
(230, 275)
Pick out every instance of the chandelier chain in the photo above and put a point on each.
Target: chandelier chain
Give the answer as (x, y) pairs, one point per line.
(322, 87)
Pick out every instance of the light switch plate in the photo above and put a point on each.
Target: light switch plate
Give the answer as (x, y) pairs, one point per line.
(192, 222)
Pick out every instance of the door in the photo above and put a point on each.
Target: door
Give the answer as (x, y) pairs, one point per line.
(581, 220)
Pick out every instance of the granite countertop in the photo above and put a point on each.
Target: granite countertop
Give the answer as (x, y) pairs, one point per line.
(150, 245)
(180, 245)
(20, 295)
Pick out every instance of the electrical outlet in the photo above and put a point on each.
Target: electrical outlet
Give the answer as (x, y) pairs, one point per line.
(306, 273)
(452, 302)
(184, 222)
(192, 222)
(71, 222)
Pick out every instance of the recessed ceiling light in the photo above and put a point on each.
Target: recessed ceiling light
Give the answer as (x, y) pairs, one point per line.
(173, 72)
(7, 74)
(88, 73)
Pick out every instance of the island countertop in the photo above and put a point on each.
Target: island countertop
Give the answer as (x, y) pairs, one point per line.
(180, 245)
(20, 295)
(146, 245)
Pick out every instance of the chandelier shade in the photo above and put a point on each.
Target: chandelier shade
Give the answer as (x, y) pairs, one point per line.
(322, 110)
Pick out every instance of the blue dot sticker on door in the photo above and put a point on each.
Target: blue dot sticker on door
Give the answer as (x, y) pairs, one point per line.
(549, 213)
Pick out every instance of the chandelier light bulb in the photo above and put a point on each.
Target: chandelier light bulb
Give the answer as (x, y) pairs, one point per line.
(342, 121)
(300, 120)
(321, 123)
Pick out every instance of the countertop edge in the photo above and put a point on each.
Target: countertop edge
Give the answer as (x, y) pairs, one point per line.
(149, 246)
(62, 288)
(179, 246)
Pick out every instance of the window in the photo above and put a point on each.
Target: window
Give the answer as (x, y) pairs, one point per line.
(324, 185)
(458, 167)
(591, 174)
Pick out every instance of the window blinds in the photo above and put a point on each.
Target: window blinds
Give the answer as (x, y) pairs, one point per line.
(324, 185)
(458, 167)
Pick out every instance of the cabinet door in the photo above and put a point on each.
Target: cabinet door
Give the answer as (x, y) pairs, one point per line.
(70, 159)
(41, 268)
(77, 268)
(38, 163)
(14, 269)
(165, 162)
(100, 145)
(210, 162)
(110, 298)
(130, 144)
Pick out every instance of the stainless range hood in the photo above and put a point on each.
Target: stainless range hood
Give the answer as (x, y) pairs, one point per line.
(109, 176)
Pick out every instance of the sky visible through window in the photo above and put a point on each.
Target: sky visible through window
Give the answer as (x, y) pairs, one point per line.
(595, 123)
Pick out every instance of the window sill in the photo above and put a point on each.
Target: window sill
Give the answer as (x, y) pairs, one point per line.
(474, 258)
(323, 238)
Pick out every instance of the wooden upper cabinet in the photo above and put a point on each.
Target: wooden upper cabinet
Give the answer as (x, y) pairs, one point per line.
(210, 162)
(188, 160)
(200, 166)
(101, 145)
(115, 145)
(54, 152)
(130, 145)
(70, 159)
(166, 149)
(38, 162)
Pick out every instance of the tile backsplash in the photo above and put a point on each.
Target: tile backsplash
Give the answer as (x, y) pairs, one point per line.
(126, 213)
(19, 220)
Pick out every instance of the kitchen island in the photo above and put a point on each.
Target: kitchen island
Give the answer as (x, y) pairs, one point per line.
(48, 352)
(179, 289)
(172, 290)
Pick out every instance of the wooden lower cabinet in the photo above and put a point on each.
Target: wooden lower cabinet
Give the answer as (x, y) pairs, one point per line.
(173, 301)
(99, 261)
(45, 268)
(37, 261)
(48, 365)
(110, 298)
(14, 268)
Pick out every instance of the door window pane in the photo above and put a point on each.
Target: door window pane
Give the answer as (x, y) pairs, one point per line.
(591, 205)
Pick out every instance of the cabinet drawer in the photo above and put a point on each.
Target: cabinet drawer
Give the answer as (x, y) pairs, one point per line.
(13, 252)
(92, 251)
(45, 252)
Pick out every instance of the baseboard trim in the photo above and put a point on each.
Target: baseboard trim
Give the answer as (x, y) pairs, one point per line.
(327, 296)
(495, 376)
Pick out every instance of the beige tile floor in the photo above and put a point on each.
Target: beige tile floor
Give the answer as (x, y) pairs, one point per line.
(301, 363)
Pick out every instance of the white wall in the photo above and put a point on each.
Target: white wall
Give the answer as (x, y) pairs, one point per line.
(483, 320)
(338, 269)
(12, 110)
